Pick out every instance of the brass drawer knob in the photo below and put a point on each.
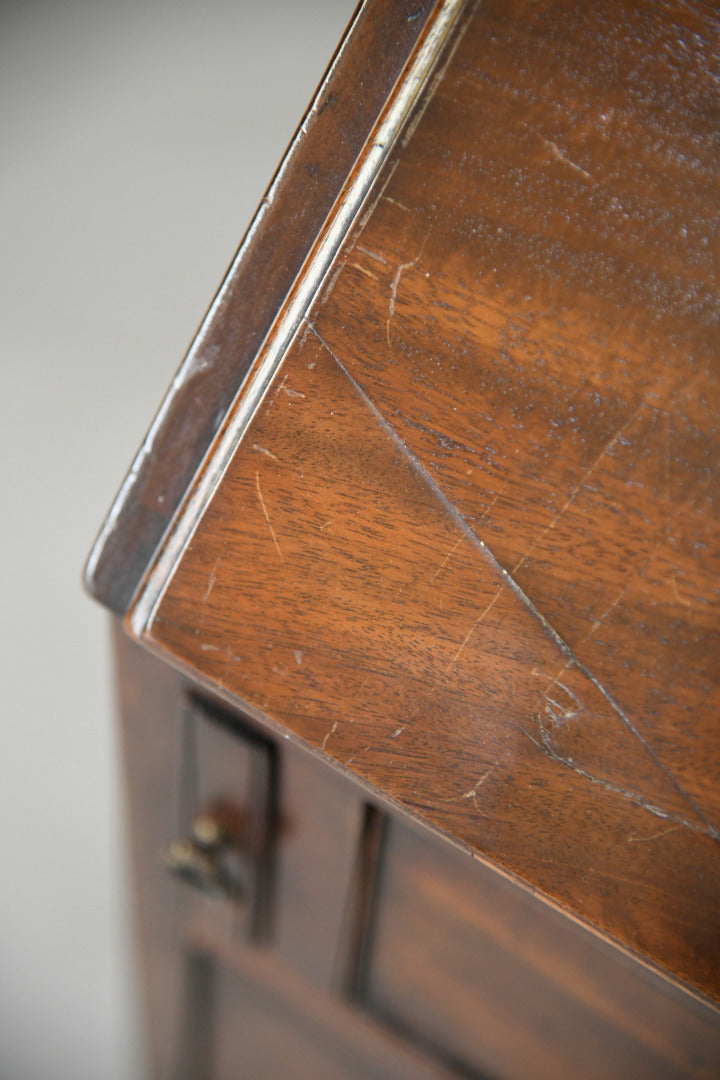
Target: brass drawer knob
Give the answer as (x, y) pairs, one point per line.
(209, 859)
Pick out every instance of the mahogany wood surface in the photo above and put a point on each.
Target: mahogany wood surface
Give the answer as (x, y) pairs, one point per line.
(348, 102)
(152, 753)
(467, 545)
(223, 1001)
(465, 960)
(459, 971)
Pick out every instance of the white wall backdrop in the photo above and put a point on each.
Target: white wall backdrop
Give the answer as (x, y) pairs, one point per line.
(136, 139)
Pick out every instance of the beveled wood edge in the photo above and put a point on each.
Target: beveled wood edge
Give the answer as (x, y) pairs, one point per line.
(264, 268)
(411, 816)
(290, 320)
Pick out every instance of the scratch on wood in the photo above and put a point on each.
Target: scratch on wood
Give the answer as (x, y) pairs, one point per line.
(447, 558)
(211, 581)
(363, 270)
(556, 682)
(681, 599)
(580, 484)
(396, 202)
(371, 208)
(262, 450)
(568, 691)
(354, 757)
(281, 384)
(472, 793)
(372, 255)
(492, 504)
(331, 732)
(397, 732)
(364, 683)
(393, 295)
(306, 331)
(655, 836)
(546, 747)
(591, 631)
(557, 153)
(558, 712)
(267, 517)
(328, 288)
(598, 622)
(472, 630)
(291, 393)
(516, 588)
(228, 654)
(394, 287)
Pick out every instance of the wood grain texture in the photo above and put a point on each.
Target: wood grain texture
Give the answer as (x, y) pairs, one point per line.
(468, 545)
(347, 600)
(567, 403)
(220, 1003)
(464, 960)
(295, 206)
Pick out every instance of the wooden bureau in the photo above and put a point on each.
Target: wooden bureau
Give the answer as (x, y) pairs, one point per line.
(416, 577)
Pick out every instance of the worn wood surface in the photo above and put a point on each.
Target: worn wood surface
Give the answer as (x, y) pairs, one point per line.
(461, 971)
(221, 1001)
(297, 202)
(468, 544)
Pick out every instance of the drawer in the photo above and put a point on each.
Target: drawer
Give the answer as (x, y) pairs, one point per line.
(227, 788)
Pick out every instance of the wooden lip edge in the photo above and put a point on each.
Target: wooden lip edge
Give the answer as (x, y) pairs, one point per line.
(445, 26)
(135, 526)
(419, 821)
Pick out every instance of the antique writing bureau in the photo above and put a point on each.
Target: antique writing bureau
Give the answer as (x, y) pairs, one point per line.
(416, 577)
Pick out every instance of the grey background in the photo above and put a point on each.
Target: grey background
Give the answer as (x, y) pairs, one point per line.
(136, 140)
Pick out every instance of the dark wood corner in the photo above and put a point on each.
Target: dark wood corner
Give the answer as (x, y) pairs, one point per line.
(420, 573)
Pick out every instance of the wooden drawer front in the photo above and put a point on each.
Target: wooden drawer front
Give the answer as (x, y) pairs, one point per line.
(250, 1016)
(497, 982)
(261, 1034)
(228, 776)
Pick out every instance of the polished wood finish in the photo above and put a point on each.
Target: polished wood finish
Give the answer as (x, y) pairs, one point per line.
(329, 139)
(422, 670)
(469, 965)
(223, 1001)
(478, 497)
(456, 534)
(455, 971)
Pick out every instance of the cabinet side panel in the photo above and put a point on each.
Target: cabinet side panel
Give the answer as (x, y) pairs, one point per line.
(481, 970)
(150, 697)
